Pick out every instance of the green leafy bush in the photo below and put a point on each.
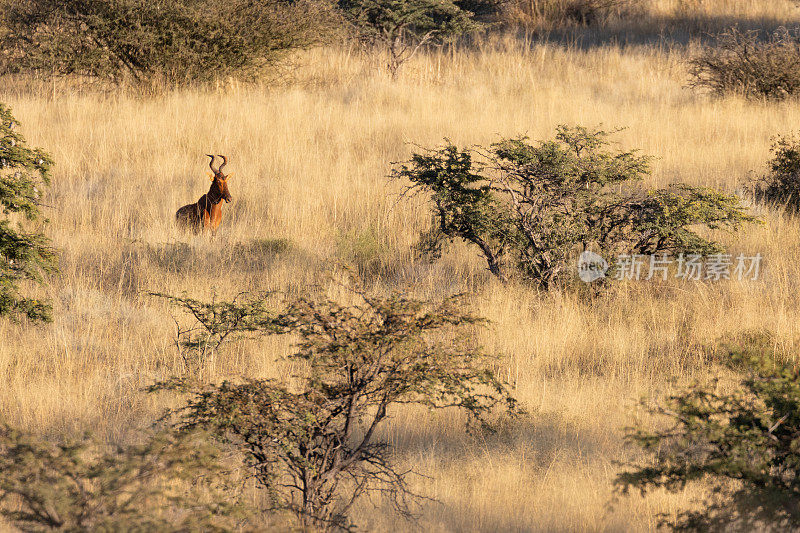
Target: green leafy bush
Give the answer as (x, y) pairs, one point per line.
(533, 207)
(313, 442)
(403, 27)
(25, 253)
(744, 440)
(782, 184)
(215, 323)
(365, 250)
(161, 485)
(155, 42)
(750, 63)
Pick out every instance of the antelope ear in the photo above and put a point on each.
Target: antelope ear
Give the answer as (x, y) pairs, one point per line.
(229, 176)
(210, 175)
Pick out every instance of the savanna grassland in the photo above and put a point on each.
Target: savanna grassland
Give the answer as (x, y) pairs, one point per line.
(310, 156)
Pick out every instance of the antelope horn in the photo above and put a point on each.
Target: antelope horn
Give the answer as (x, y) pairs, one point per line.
(224, 162)
(211, 164)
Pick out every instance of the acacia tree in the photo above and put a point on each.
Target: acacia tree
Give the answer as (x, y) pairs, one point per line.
(743, 441)
(403, 27)
(25, 253)
(167, 483)
(531, 207)
(314, 445)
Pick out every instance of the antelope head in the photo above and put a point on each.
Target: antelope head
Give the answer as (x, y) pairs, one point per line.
(219, 180)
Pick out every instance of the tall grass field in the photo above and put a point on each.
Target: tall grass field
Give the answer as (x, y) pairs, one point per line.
(310, 157)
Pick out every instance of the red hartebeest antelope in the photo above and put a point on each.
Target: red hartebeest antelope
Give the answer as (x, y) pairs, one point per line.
(206, 214)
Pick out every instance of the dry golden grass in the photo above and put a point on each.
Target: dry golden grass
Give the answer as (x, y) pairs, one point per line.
(310, 160)
(646, 21)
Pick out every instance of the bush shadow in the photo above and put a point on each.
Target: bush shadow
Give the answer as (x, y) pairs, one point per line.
(657, 32)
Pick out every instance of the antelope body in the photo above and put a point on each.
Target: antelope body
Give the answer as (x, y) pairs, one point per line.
(206, 213)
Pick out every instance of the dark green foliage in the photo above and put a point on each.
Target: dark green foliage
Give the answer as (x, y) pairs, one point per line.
(533, 207)
(750, 63)
(745, 442)
(482, 10)
(161, 485)
(782, 184)
(175, 42)
(25, 253)
(403, 27)
(216, 322)
(313, 442)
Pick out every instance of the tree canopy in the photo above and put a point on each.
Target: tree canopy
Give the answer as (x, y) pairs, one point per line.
(26, 254)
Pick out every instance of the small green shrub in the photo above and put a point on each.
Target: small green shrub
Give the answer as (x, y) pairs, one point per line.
(746, 443)
(750, 63)
(782, 184)
(25, 253)
(363, 250)
(531, 208)
(312, 440)
(403, 27)
(169, 483)
(214, 323)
